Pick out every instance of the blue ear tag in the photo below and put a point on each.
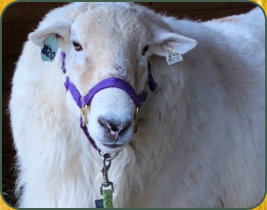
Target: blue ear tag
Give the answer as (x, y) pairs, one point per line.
(49, 49)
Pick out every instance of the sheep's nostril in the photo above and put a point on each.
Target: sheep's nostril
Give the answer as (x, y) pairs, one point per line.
(125, 127)
(114, 128)
(108, 124)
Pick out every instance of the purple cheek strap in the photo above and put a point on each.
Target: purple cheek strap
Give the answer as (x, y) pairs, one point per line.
(112, 82)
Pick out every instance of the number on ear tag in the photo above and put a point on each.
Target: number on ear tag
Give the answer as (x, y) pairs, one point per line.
(49, 49)
(172, 56)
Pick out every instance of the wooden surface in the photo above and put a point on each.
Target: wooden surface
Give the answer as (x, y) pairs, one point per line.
(21, 18)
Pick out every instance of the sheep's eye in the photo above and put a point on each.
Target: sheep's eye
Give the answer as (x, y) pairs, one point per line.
(145, 49)
(77, 46)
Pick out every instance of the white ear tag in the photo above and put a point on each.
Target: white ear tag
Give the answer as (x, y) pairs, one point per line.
(172, 56)
(49, 48)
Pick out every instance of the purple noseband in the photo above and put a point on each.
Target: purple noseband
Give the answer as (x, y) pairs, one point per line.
(106, 83)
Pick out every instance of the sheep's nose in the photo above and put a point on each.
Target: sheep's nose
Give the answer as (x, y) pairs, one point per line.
(114, 128)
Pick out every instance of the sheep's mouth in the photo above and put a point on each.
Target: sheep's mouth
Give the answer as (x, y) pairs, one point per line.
(113, 145)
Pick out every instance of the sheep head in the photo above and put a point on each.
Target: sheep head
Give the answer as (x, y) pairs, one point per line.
(103, 41)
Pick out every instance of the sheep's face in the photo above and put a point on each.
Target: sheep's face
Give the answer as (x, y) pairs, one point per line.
(104, 44)
(104, 40)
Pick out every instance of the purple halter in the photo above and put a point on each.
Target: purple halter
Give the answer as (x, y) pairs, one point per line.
(106, 83)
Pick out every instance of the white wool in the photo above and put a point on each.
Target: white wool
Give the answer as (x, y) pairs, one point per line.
(200, 139)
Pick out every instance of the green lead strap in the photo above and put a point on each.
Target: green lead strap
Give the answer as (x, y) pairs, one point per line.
(108, 199)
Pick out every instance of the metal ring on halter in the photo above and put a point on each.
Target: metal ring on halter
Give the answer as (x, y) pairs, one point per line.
(109, 158)
(135, 114)
(135, 119)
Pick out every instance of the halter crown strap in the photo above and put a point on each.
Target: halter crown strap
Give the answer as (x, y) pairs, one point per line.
(150, 80)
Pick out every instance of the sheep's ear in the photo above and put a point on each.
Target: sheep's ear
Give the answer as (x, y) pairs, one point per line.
(61, 31)
(165, 42)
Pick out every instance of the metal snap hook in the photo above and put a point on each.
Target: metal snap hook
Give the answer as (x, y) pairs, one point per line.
(107, 158)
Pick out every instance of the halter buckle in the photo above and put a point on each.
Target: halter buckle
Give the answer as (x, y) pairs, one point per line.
(84, 113)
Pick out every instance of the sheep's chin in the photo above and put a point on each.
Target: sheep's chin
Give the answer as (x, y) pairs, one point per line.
(105, 149)
(105, 145)
(113, 147)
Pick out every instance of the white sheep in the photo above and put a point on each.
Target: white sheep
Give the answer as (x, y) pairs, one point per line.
(200, 134)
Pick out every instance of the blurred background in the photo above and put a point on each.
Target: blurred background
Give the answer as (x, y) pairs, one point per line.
(21, 18)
